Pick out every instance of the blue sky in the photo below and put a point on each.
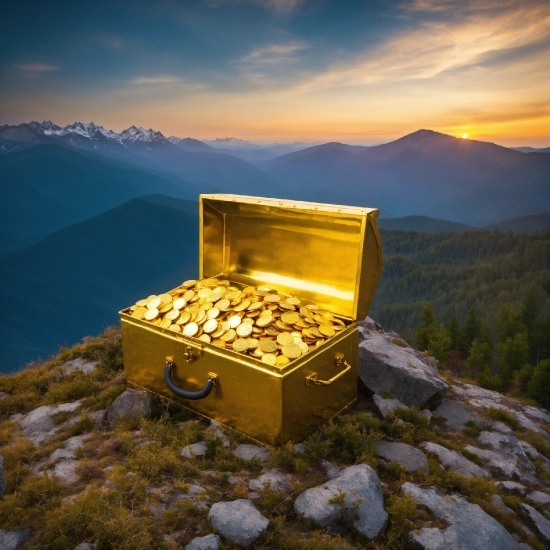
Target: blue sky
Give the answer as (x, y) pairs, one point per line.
(282, 70)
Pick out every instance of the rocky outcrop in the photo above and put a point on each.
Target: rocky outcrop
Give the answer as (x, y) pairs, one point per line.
(387, 407)
(252, 452)
(456, 414)
(79, 364)
(39, 425)
(356, 492)
(384, 365)
(273, 479)
(410, 458)
(130, 404)
(469, 527)
(541, 524)
(10, 540)
(454, 461)
(238, 521)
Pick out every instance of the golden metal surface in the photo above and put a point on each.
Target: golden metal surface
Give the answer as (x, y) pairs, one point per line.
(254, 253)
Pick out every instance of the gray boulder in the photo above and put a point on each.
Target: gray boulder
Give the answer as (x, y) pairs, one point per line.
(38, 425)
(65, 470)
(387, 407)
(194, 450)
(272, 478)
(454, 461)
(331, 470)
(131, 403)
(456, 414)
(79, 364)
(497, 500)
(540, 497)
(238, 521)
(362, 501)
(209, 542)
(509, 446)
(504, 466)
(410, 377)
(10, 540)
(405, 455)
(69, 447)
(542, 525)
(250, 452)
(511, 487)
(3, 481)
(470, 528)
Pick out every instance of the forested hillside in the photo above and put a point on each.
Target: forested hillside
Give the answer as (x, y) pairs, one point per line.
(479, 301)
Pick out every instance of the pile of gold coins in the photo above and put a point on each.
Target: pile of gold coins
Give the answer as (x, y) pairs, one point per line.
(258, 322)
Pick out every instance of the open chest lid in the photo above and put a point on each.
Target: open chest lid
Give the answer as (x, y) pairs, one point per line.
(325, 254)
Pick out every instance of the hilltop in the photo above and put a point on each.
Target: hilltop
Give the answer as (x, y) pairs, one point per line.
(86, 461)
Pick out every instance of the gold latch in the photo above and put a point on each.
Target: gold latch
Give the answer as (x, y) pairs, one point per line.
(190, 354)
(312, 380)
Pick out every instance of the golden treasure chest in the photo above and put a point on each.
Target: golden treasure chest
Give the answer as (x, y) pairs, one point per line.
(266, 340)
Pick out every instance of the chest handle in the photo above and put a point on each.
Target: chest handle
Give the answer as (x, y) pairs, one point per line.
(311, 380)
(201, 394)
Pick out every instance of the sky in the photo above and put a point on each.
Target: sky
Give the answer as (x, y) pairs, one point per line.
(359, 72)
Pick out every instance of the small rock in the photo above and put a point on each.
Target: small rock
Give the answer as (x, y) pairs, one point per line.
(272, 478)
(299, 448)
(194, 450)
(502, 428)
(456, 414)
(508, 445)
(10, 540)
(15, 416)
(532, 453)
(65, 471)
(542, 525)
(469, 527)
(511, 487)
(405, 455)
(69, 447)
(85, 546)
(98, 417)
(215, 432)
(497, 500)
(238, 521)
(3, 394)
(454, 461)
(540, 497)
(209, 542)
(387, 407)
(79, 364)
(363, 503)
(410, 376)
(426, 413)
(504, 466)
(332, 470)
(128, 404)
(38, 425)
(3, 481)
(250, 452)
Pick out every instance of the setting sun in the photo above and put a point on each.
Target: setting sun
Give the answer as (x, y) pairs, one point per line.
(464, 136)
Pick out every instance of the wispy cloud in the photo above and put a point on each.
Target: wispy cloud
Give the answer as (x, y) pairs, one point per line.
(161, 79)
(274, 53)
(36, 70)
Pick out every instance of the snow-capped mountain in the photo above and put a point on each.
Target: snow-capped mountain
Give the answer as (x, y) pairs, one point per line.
(94, 132)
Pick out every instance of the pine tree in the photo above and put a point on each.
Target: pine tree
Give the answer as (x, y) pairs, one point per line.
(513, 355)
(426, 328)
(539, 386)
(470, 331)
(454, 332)
(439, 345)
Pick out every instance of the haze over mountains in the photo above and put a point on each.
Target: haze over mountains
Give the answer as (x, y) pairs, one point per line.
(85, 232)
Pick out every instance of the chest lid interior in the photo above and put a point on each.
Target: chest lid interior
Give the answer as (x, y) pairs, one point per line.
(325, 254)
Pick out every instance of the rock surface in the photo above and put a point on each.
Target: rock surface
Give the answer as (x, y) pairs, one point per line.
(209, 542)
(540, 497)
(362, 501)
(384, 366)
(405, 455)
(272, 478)
(456, 414)
(238, 521)
(38, 425)
(511, 487)
(194, 450)
(387, 407)
(454, 461)
(10, 540)
(470, 528)
(542, 525)
(250, 452)
(79, 364)
(129, 404)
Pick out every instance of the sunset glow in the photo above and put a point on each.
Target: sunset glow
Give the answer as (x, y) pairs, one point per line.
(283, 70)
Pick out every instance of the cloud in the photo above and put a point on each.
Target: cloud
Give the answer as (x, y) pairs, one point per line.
(274, 53)
(35, 70)
(279, 7)
(162, 79)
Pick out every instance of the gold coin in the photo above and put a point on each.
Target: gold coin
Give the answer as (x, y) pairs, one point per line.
(285, 338)
(252, 343)
(153, 303)
(219, 343)
(229, 335)
(303, 347)
(242, 306)
(282, 326)
(189, 295)
(165, 323)
(272, 298)
(293, 301)
(292, 351)
(201, 316)
(244, 330)
(314, 331)
(140, 312)
(266, 345)
(185, 317)
(222, 304)
(257, 352)
(179, 303)
(191, 329)
(189, 283)
(214, 297)
(254, 306)
(234, 321)
(174, 328)
(172, 314)
(165, 308)
(240, 344)
(271, 331)
(264, 320)
(205, 338)
(269, 358)
(165, 298)
(290, 317)
(325, 330)
(152, 313)
(213, 313)
(142, 303)
(204, 292)
(287, 306)
(210, 326)
(282, 360)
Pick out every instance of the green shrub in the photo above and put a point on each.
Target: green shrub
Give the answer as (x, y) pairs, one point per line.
(502, 415)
